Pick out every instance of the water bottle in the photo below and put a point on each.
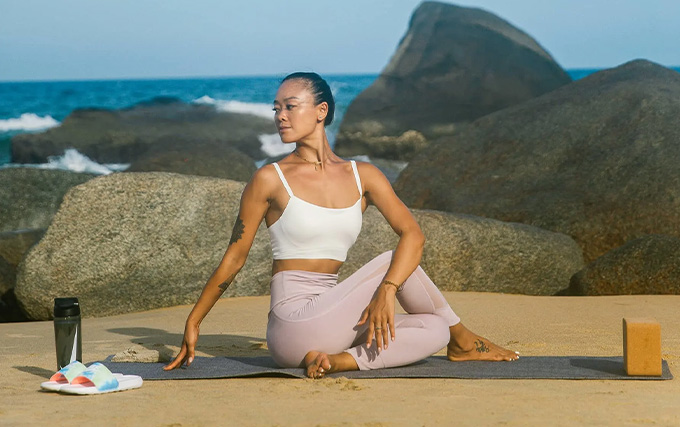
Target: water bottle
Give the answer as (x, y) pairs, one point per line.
(67, 332)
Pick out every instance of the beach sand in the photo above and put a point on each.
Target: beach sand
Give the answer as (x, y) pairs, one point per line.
(560, 326)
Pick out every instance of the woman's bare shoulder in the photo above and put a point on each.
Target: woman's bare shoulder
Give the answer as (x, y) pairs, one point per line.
(264, 180)
(370, 174)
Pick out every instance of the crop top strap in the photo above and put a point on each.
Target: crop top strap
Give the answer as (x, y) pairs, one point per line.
(356, 176)
(283, 179)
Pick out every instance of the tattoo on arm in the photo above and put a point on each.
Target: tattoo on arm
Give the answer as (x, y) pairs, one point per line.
(236, 235)
(224, 285)
(481, 347)
(237, 232)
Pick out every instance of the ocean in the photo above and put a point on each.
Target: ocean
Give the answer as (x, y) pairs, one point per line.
(37, 106)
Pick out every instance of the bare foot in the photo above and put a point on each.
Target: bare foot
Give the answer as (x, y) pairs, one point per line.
(319, 364)
(466, 345)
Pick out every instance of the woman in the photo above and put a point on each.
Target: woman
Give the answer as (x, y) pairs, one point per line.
(312, 202)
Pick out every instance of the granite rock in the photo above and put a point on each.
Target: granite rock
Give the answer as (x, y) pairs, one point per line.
(30, 197)
(121, 136)
(453, 65)
(596, 160)
(199, 158)
(467, 253)
(136, 241)
(15, 244)
(7, 276)
(647, 265)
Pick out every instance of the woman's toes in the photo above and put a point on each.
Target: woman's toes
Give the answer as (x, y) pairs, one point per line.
(318, 364)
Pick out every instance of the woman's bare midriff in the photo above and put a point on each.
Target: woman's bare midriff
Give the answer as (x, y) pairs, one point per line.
(315, 265)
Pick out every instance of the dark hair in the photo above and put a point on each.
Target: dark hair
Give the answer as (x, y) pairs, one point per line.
(320, 90)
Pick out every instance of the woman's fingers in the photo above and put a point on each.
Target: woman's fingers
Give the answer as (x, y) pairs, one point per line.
(393, 331)
(369, 336)
(378, 338)
(178, 360)
(190, 355)
(378, 328)
(385, 335)
(373, 332)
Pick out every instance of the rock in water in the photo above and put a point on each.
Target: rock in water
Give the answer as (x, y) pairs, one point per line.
(454, 65)
(122, 136)
(136, 241)
(199, 158)
(648, 265)
(596, 160)
(467, 253)
(30, 197)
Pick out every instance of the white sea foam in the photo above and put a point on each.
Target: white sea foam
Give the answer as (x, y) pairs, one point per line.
(28, 122)
(336, 87)
(395, 164)
(362, 158)
(272, 145)
(257, 109)
(73, 161)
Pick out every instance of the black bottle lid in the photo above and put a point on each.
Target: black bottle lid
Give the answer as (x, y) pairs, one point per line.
(66, 307)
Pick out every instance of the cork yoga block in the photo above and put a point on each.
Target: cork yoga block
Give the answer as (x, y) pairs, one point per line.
(642, 346)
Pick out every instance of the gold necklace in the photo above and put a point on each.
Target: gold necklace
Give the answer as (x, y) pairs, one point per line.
(308, 161)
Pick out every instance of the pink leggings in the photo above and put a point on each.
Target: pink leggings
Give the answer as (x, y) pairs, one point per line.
(311, 311)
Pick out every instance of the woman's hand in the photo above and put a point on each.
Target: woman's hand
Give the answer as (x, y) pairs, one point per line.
(186, 354)
(380, 316)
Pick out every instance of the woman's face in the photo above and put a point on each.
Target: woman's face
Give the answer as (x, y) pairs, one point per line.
(295, 114)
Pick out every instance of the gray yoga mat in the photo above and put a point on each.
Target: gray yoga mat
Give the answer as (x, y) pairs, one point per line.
(527, 367)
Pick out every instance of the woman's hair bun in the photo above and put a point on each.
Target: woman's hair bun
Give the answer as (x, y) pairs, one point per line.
(319, 88)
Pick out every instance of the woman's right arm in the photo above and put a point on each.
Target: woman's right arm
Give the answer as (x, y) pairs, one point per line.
(255, 202)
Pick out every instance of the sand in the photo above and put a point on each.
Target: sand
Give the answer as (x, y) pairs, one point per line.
(558, 326)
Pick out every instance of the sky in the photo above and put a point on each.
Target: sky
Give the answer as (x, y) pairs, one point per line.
(112, 39)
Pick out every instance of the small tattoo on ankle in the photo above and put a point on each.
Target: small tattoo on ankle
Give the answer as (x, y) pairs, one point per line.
(481, 347)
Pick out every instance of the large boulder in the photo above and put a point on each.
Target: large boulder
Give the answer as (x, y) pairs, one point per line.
(454, 65)
(9, 308)
(596, 160)
(13, 246)
(30, 197)
(121, 136)
(467, 253)
(136, 241)
(199, 158)
(647, 265)
(7, 276)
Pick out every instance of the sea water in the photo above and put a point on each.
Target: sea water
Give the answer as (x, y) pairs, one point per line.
(38, 106)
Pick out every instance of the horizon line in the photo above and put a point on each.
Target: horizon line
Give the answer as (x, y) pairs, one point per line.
(249, 76)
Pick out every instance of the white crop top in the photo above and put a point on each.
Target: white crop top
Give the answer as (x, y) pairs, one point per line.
(309, 231)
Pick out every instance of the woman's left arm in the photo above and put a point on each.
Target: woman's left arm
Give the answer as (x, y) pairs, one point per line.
(406, 257)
